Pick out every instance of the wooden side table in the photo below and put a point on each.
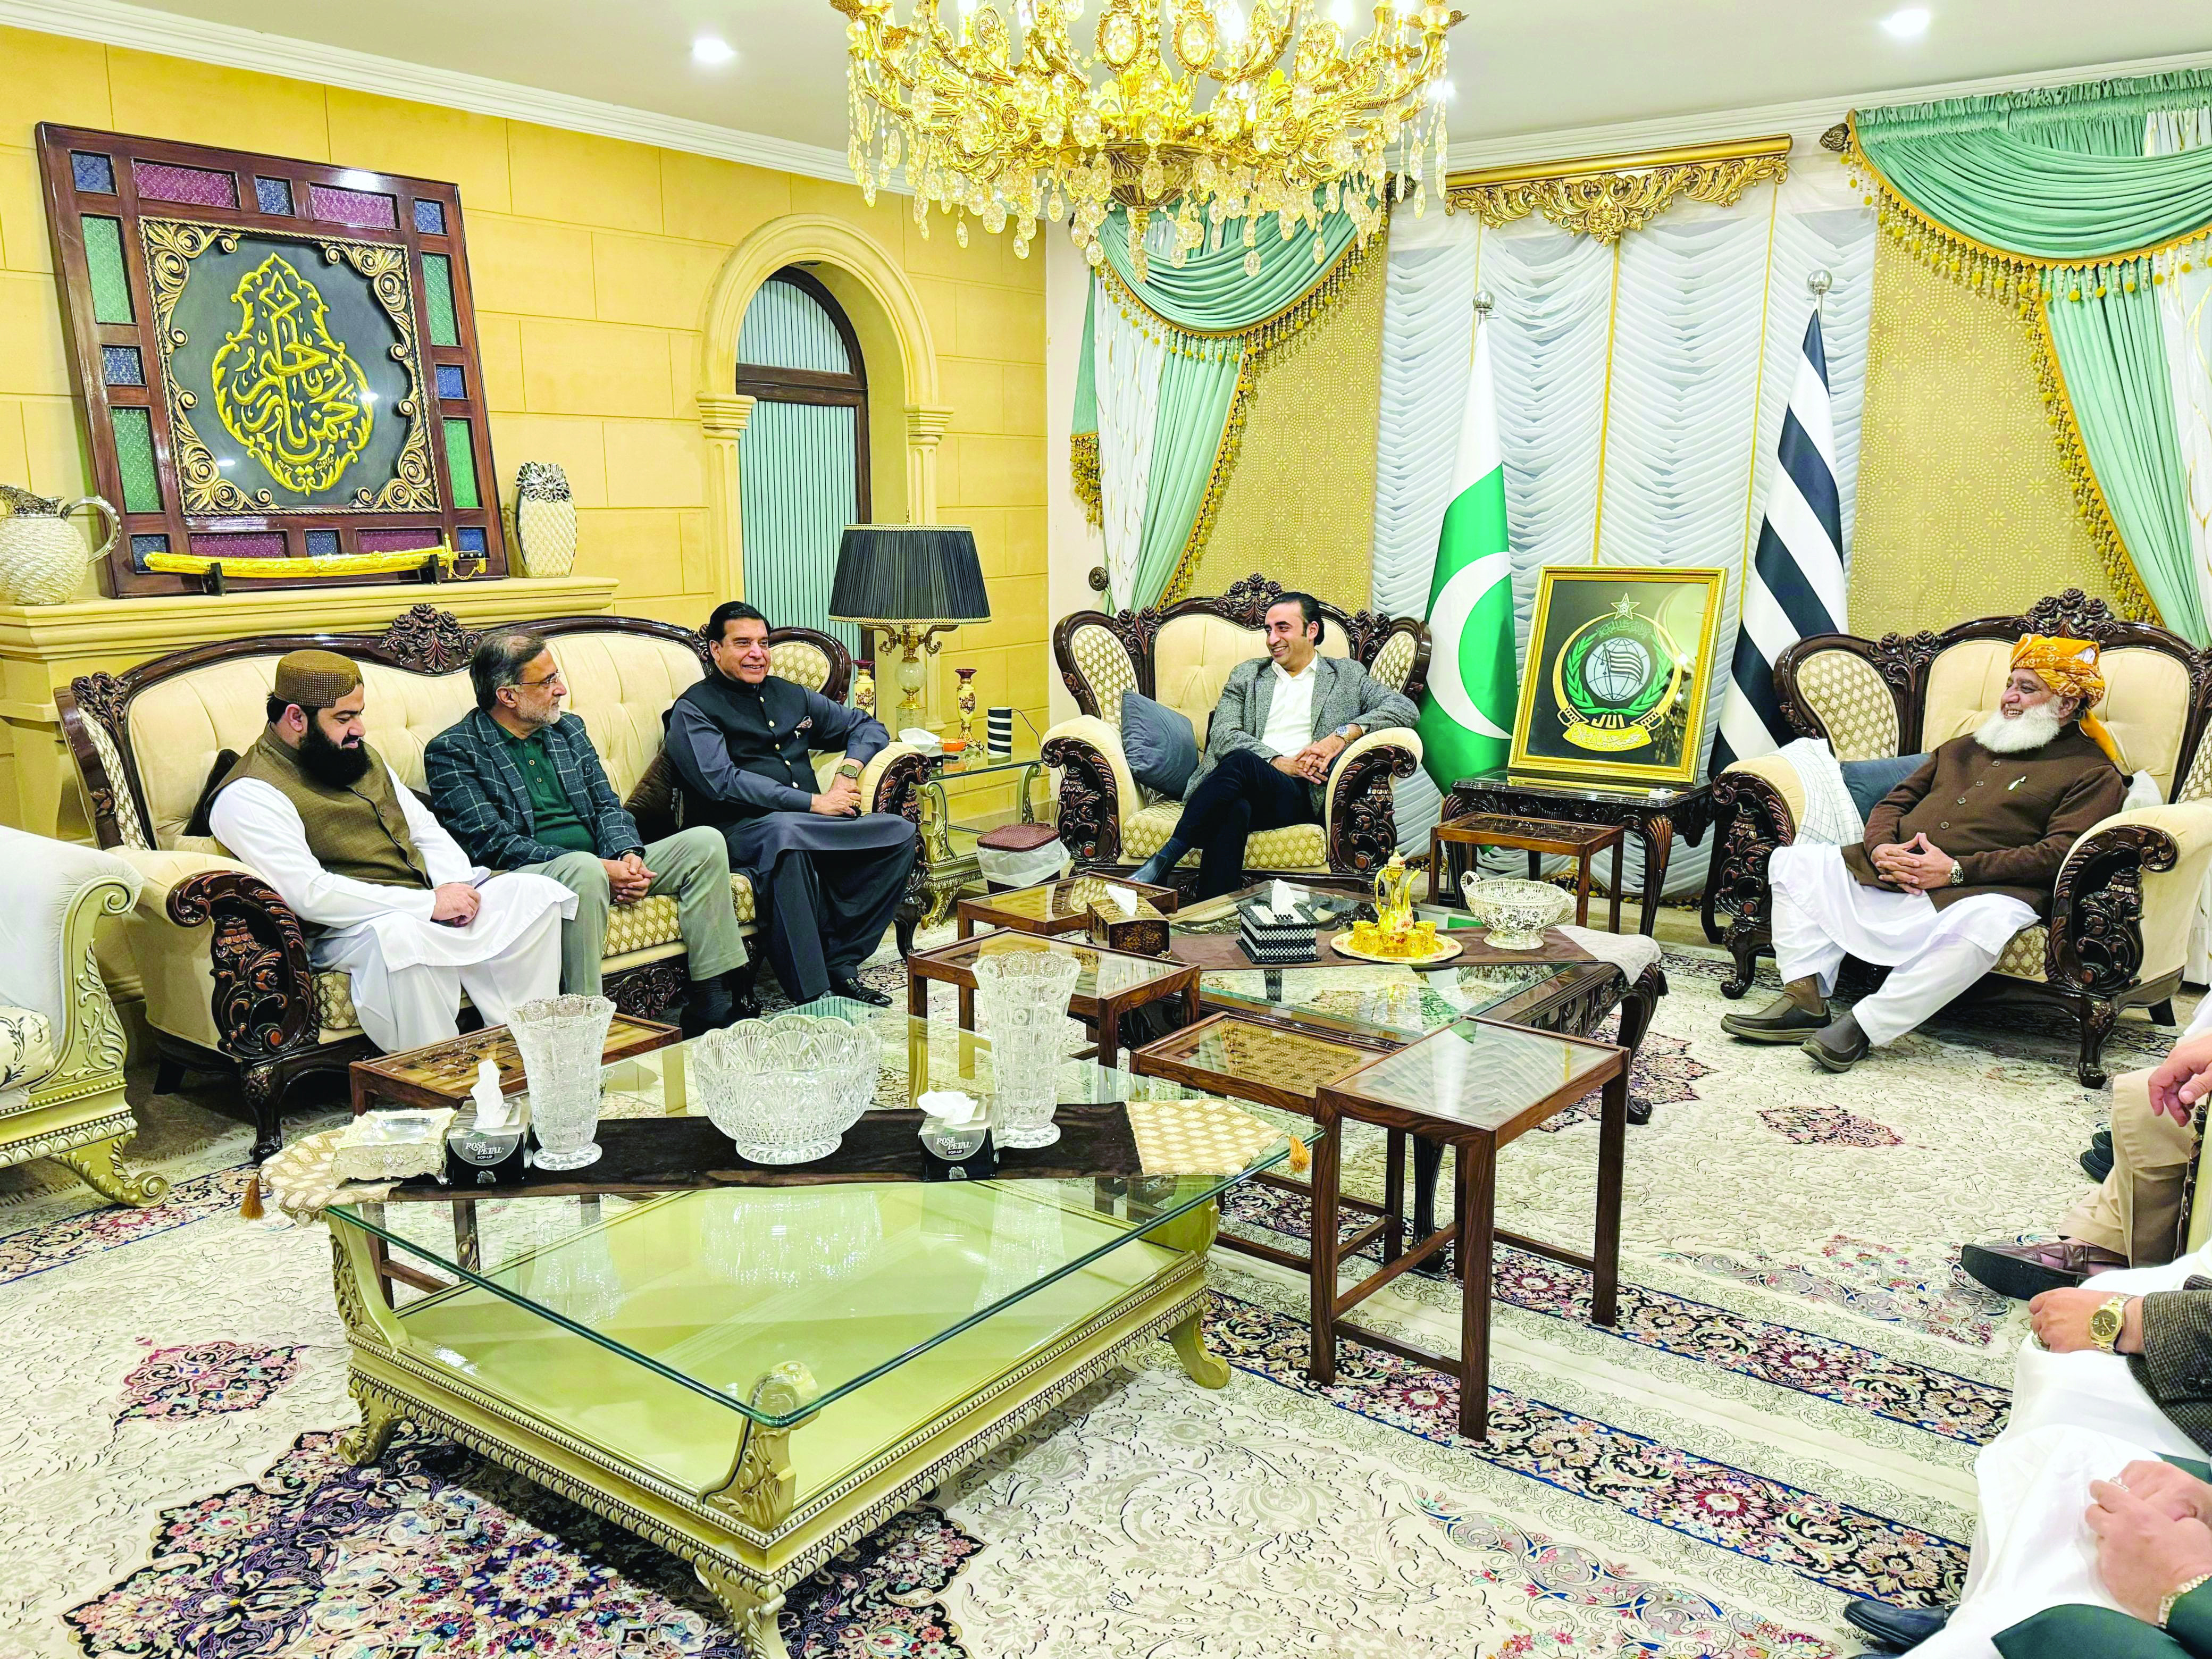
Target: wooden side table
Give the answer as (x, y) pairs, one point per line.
(1112, 983)
(1580, 841)
(1476, 1087)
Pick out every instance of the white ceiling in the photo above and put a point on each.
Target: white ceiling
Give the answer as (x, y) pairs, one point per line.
(1516, 69)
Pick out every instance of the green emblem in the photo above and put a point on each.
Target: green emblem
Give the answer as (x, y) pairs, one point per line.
(285, 387)
(1615, 680)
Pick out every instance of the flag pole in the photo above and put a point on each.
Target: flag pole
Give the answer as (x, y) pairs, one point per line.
(1817, 284)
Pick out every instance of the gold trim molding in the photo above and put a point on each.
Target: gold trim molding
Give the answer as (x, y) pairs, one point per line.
(1606, 196)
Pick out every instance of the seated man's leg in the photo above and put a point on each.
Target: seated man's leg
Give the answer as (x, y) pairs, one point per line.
(527, 969)
(584, 937)
(1805, 956)
(1270, 800)
(1916, 990)
(398, 1009)
(1219, 793)
(694, 865)
(860, 894)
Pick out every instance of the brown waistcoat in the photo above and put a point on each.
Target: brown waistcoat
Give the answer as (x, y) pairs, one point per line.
(360, 832)
(2008, 819)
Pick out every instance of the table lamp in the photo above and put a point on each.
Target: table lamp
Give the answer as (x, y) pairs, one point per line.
(913, 581)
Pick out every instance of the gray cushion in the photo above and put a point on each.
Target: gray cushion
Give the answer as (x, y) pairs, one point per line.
(1160, 745)
(1868, 781)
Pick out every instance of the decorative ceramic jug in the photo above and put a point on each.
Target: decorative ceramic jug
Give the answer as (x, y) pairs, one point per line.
(545, 519)
(41, 557)
(1393, 896)
(967, 701)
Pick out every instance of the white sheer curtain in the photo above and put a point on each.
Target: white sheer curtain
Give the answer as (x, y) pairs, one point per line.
(1125, 366)
(1428, 332)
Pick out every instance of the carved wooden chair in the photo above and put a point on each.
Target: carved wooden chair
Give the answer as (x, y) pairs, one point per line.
(223, 959)
(1181, 657)
(2121, 911)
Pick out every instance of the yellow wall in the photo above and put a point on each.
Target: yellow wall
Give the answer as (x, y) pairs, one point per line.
(591, 260)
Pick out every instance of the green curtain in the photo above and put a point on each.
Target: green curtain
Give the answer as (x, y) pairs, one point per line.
(1212, 314)
(2047, 195)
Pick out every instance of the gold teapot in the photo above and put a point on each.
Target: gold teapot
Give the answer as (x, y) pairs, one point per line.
(42, 559)
(1394, 897)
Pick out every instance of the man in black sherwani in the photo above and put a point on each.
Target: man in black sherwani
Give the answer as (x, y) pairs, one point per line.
(826, 875)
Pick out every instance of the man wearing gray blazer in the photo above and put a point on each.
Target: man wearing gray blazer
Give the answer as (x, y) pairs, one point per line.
(1280, 722)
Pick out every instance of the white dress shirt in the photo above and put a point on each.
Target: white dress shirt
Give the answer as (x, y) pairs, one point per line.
(1290, 710)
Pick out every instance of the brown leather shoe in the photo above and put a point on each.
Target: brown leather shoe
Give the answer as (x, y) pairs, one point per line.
(2022, 1271)
(1799, 1010)
(1840, 1046)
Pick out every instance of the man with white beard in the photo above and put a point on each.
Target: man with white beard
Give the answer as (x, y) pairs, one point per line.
(1957, 858)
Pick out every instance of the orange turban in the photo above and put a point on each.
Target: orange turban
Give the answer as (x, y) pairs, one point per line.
(2071, 668)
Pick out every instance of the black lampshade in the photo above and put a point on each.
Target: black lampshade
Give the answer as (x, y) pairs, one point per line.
(908, 573)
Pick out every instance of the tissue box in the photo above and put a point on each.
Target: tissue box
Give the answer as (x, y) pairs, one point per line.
(1273, 942)
(1145, 933)
(392, 1146)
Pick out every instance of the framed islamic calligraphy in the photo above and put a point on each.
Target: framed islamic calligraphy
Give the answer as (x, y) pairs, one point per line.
(276, 359)
(1619, 673)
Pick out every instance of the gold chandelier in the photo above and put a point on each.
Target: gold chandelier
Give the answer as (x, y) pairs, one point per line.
(1298, 124)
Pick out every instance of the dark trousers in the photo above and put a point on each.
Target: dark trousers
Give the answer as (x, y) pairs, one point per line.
(823, 912)
(1244, 793)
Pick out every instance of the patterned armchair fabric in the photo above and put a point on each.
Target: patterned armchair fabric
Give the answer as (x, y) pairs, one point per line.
(26, 1047)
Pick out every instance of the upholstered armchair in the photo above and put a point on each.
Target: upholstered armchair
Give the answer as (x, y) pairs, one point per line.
(61, 1047)
(223, 961)
(1181, 657)
(2121, 911)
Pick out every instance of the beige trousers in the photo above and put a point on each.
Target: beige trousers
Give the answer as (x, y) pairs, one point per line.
(2137, 1212)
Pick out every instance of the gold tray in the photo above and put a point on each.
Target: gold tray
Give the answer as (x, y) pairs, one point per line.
(1445, 951)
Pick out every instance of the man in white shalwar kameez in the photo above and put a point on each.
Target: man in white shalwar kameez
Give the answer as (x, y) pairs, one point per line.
(387, 897)
(1957, 858)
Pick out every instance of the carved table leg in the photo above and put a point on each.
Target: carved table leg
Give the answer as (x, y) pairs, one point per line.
(1658, 832)
(2098, 1017)
(262, 1086)
(1207, 1368)
(101, 1167)
(752, 1614)
(368, 1443)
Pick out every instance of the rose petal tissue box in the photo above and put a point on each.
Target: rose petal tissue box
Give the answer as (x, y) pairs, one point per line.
(489, 1150)
(1125, 920)
(1279, 927)
(392, 1145)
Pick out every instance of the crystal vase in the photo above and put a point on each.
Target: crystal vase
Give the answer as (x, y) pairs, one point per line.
(1021, 998)
(562, 1041)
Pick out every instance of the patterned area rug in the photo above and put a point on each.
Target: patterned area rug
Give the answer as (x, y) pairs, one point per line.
(1785, 1416)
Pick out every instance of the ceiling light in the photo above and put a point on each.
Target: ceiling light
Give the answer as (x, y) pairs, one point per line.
(1907, 24)
(712, 50)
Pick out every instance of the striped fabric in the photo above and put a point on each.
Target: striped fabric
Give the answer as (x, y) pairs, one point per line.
(1794, 588)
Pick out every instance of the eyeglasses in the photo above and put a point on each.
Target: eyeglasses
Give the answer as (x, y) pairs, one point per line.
(531, 685)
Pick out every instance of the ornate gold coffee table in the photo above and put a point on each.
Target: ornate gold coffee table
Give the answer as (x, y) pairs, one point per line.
(753, 1376)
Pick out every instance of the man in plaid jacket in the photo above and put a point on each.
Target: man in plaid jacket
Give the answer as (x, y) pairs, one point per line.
(520, 785)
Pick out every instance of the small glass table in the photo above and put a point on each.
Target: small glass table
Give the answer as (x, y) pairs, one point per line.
(946, 873)
(752, 1377)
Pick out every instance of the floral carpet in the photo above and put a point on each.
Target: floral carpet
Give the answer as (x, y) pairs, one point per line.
(1785, 1416)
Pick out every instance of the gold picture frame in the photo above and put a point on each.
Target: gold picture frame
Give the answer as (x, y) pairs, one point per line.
(1612, 689)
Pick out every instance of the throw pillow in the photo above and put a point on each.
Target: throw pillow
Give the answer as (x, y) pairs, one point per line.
(655, 801)
(1868, 781)
(197, 824)
(1160, 745)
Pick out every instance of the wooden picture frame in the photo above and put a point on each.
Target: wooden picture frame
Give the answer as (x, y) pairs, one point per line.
(1619, 673)
(128, 218)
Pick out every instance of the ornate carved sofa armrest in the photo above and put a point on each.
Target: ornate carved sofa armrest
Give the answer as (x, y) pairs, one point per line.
(223, 959)
(1757, 803)
(1097, 790)
(2124, 899)
(892, 781)
(1360, 816)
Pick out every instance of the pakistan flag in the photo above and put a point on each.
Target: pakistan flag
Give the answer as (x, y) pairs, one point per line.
(1466, 713)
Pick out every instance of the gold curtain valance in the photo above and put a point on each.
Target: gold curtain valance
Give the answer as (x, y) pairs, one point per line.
(1606, 196)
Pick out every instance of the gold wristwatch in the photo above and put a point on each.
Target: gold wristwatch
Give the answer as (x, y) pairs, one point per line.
(2105, 1324)
(2165, 1607)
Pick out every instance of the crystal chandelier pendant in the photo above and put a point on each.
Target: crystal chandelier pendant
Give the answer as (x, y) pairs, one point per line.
(1221, 115)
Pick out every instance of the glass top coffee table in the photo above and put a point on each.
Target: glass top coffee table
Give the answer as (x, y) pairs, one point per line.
(752, 1376)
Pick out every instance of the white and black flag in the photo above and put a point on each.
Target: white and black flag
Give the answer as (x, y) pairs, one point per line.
(1795, 587)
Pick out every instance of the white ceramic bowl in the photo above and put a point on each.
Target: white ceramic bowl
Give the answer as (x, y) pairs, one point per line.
(786, 1090)
(1516, 912)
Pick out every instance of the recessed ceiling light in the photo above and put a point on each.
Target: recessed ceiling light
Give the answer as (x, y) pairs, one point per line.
(1907, 24)
(714, 49)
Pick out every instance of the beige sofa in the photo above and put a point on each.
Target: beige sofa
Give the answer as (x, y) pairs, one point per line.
(1181, 657)
(221, 959)
(2123, 902)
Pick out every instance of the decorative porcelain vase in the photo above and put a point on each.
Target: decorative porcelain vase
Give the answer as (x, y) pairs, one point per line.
(1021, 997)
(545, 519)
(786, 1090)
(562, 1040)
(42, 558)
(967, 700)
(864, 684)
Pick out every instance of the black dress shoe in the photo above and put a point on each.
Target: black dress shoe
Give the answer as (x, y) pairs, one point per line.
(1894, 1630)
(1839, 1046)
(853, 990)
(2097, 1165)
(2024, 1272)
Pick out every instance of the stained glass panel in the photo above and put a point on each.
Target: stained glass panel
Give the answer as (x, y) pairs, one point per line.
(469, 539)
(452, 382)
(164, 181)
(461, 462)
(275, 195)
(430, 217)
(396, 541)
(121, 365)
(111, 279)
(365, 210)
(134, 459)
(91, 172)
(322, 544)
(240, 544)
(438, 296)
(141, 545)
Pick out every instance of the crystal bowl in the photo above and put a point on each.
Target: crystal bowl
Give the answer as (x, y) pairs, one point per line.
(1516, 912)
(786, 1090)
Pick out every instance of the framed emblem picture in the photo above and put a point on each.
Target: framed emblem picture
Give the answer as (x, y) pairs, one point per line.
(1619, 673)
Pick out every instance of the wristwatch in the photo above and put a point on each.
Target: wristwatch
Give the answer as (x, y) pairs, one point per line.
(850, 769)
(2165, 1607)
(2106, 1323)
(1958, 874)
